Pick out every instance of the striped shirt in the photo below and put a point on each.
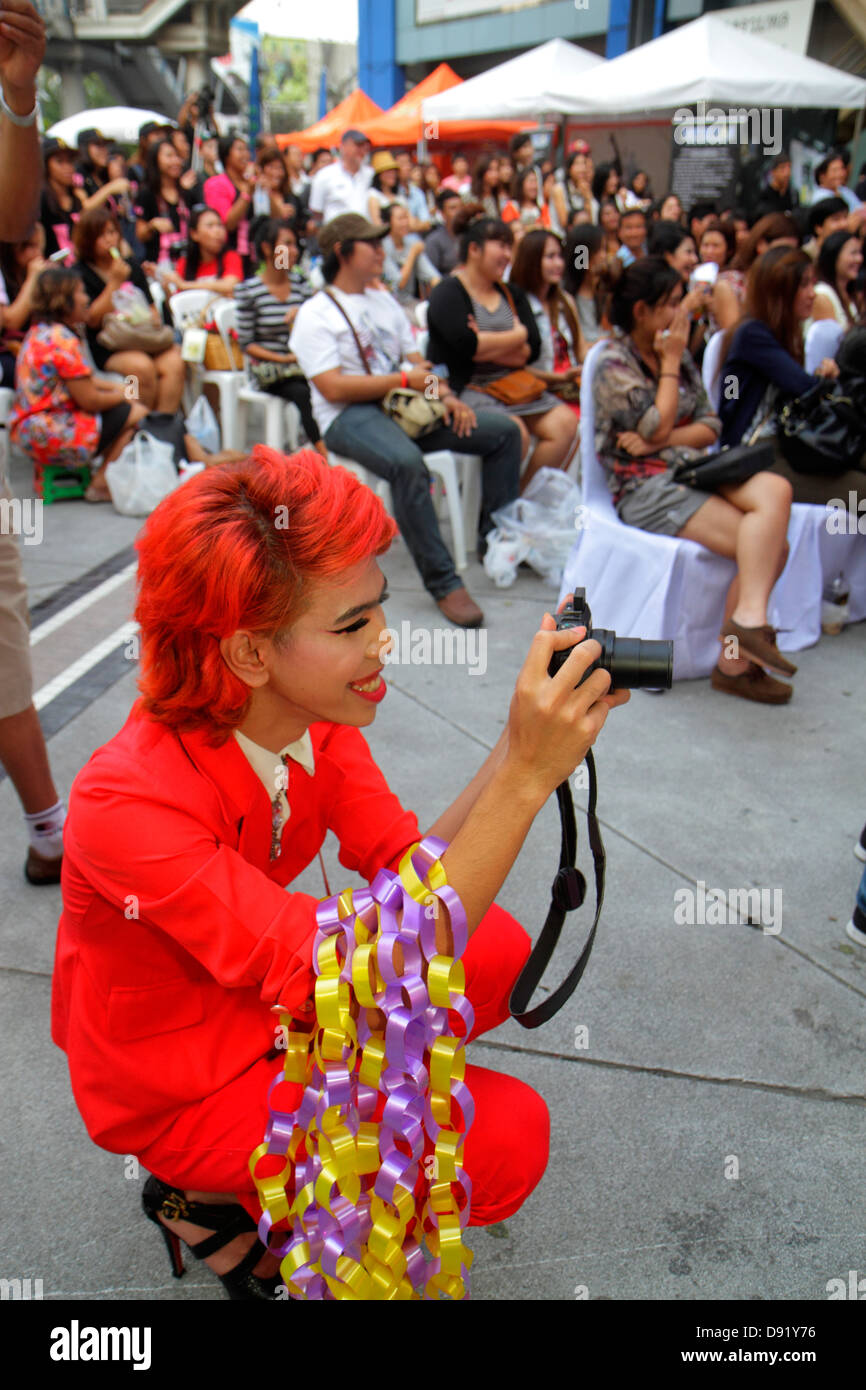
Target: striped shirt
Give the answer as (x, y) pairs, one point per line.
(262, 317)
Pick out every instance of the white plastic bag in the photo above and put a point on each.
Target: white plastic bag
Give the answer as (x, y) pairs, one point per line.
(142, 475)
(503, 555)
(203, 425)
(130, 304)
(539, 527)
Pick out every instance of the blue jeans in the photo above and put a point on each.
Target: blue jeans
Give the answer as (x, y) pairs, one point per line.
(861, 894)
(365, 434)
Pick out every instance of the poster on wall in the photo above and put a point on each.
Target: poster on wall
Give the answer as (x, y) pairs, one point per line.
(700, 172)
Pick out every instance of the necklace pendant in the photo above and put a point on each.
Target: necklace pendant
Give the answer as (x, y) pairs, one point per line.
(276, 827)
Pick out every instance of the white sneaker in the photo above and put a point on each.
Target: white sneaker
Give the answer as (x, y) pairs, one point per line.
(860, 847)
(856, 928)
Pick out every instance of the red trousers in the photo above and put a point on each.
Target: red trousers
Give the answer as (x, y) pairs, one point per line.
(208, 1147)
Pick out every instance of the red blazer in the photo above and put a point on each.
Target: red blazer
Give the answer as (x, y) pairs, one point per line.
(177, 934)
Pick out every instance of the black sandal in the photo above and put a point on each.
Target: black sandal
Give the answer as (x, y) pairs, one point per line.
(227, 1221)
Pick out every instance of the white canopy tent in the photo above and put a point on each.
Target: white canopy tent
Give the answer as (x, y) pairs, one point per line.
(543, 80)
(121, 123)
(709, 60)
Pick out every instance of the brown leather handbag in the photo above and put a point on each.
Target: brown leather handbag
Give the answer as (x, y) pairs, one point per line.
(518, 387)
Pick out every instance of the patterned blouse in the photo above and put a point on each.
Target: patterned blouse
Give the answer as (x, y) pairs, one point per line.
(624, 392)
(45, 421)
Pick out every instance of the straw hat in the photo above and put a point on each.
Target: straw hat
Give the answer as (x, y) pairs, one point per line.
(382, 160)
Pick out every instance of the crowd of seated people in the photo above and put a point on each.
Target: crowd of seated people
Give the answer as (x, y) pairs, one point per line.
(525, 262)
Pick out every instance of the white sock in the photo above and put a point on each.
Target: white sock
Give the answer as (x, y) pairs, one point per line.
(45, 829)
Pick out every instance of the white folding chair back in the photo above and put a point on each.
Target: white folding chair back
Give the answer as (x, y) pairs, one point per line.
(711, 368)
(225, 316)
(822, 340)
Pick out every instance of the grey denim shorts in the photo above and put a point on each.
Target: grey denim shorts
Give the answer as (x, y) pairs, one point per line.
(661, 505)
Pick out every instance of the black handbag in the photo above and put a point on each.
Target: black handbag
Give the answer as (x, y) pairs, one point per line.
(732, 465)
(824, 431)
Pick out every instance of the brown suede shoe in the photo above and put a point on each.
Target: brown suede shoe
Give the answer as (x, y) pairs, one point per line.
(759, 644)
(39, 870)
(460, 609)
(753, 684)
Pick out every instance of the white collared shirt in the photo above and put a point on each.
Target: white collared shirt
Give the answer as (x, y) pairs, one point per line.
(334, 190)
(270, 769)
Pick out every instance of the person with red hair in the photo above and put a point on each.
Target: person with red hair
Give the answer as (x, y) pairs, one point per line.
(262, 647)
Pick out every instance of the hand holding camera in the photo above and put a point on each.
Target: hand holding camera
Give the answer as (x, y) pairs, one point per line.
(560, 703)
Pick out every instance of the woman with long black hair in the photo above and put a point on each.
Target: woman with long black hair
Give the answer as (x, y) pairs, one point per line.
(587, 279)
(538, 269)
(208, 263)
(763, 355)
(231, 194)
(486, 185)
(486, 333)
(163, 206)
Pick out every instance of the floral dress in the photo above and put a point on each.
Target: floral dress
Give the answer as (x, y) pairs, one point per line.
(624, 392)
(45, 420)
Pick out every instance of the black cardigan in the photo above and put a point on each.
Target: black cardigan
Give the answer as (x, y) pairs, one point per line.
(451, 339)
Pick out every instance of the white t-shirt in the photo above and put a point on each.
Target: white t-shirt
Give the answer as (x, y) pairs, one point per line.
(322, 341)
(334, 190)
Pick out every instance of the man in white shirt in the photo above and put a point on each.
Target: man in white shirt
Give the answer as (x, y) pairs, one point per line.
(344, 185)
(354, 345)
(830, 177)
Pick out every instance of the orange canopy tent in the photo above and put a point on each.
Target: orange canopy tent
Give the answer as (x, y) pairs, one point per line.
(404, 124)
(354, 111)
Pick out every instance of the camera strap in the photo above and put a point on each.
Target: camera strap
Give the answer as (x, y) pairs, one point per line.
(567, 893)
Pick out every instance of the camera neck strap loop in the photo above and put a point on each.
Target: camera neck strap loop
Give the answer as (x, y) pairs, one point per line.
(567, 892)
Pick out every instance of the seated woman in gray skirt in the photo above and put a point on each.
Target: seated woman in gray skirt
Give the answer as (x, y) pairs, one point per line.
(484, 331)
(652, 413)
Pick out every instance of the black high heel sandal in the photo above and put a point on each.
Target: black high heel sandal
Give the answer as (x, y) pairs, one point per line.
(226, 1221)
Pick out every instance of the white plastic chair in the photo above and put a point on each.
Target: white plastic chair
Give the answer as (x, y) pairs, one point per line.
(822, 340)
(462, 507)
(639, 583)
(186, 308)
(815, 555)
(281, 417)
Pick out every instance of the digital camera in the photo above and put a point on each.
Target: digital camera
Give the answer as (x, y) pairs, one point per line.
(632, 662)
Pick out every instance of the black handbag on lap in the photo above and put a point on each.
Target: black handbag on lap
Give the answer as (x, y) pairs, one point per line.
(824, 431)
(732, 465)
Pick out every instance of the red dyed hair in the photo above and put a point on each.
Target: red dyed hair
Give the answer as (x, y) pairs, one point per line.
(235, 548)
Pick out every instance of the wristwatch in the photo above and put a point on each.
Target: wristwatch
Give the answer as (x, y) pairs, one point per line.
(13, 116)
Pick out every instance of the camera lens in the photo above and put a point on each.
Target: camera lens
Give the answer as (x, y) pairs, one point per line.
(634, 663)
